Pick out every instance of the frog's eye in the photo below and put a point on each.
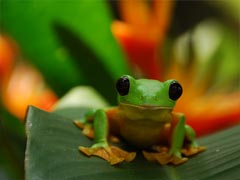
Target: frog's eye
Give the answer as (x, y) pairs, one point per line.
(123, 85)
(175, 90)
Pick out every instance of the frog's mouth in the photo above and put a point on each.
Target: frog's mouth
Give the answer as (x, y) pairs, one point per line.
(145, 107)
(143, 112)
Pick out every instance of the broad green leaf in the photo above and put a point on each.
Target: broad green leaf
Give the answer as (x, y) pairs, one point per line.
(69, 41)
(52, 153)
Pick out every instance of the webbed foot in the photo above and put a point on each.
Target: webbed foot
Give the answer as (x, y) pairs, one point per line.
(112, 154)
(164, 158)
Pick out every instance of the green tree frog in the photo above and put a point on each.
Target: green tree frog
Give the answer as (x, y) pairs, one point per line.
(144, 119)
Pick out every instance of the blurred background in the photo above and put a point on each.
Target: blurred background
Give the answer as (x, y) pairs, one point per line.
(48, 47)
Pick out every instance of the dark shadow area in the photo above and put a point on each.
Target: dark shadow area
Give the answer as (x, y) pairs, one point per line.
(187, 14)
(88, 62)
(12, 147)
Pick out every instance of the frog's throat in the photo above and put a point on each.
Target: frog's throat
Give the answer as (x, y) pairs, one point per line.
(146, 107)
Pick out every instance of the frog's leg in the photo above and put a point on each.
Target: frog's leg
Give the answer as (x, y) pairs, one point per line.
(101, 148)
(177, 139)
(172, 155)
(180, 132)
(192, 148)
(86, 124)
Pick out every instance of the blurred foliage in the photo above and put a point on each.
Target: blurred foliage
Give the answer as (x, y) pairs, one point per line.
(70, 43)
(12, 146)
(70, 51)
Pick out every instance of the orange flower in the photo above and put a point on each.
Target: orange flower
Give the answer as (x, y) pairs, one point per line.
(141, 33)
(21, 85)
(205, 112)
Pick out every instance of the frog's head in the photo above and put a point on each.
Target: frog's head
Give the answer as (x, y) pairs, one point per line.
(146, 93)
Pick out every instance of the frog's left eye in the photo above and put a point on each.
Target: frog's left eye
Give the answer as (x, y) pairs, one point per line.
(123, 85)
(175, 90)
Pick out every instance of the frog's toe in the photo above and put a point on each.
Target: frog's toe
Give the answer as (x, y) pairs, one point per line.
(79, 124)
(178, 160)
(87, 128)
(160, 157)
(114, 139)
(112, 154)
(164, 158)
(191, 150)
(127, 156)
(160, 149)
(102, 153)
(88, 131)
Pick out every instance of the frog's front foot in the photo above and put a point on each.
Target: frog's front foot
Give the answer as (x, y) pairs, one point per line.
(112, 154)
(164, 157)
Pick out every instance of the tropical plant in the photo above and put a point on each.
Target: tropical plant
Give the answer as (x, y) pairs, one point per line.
(65, 44)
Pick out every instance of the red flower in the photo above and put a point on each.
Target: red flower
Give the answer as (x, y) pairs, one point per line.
(141, 33)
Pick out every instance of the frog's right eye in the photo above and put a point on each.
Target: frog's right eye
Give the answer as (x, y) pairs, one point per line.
(123, 85)
(175, 90)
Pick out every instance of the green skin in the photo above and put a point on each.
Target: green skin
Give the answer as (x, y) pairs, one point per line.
(146, 108)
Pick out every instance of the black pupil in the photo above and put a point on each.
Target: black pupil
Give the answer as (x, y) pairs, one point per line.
(123, 85)
(175, 90)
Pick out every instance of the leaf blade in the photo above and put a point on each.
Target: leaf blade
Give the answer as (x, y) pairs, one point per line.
(59, 145)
